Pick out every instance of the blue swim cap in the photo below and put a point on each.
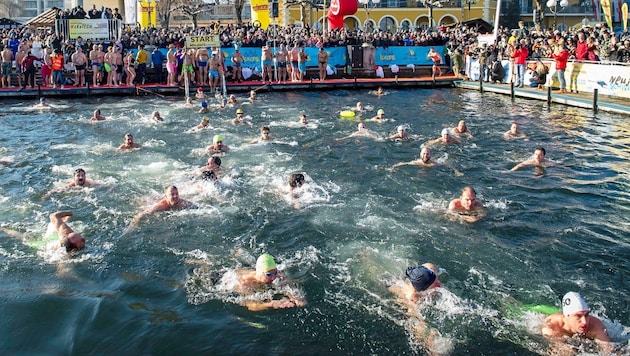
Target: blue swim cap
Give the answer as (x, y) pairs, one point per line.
(204, 104)
(421, 277)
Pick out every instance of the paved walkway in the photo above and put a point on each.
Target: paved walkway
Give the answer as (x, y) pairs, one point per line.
(583, 100)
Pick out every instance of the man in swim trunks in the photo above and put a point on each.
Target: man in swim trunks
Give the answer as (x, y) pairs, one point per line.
(266, 60)
(69, 239)
(295, 55)
(302, 58)
(575, 320)
(281, 56)
(537, 160)
(96, 58)
(171, 201)
(237, 62)
(215, 69)
(171, 65)
(47, 68)
(7, 66)
(467, 207)
(188, 71)
(80, 62)
(264, 275)
(322, 63)
(437, 60)
(19, 57)
(202, 57)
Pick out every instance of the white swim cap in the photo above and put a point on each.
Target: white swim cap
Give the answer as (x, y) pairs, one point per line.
(380, 112)
(446, 132)
(573, 302)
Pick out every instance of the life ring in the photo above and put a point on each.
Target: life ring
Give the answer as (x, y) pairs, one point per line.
(347, 114)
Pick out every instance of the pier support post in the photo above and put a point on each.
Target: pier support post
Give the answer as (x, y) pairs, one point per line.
(39, 91)
(595, 97)
(87, 86)
(549, 96)
(512, 90)
(480, 86)
(355, 83)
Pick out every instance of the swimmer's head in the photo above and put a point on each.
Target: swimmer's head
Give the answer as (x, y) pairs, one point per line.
(42, 99)
(204, 104)
(200, 90)
(380, 112)
(446, 132)
(214, 161)
(400, 128)
(296, 180)
(209, 175)
(421, 277)
(573, 302)
(232, 96)
(361, 126)
(73, 242)
(239, 112)
(217, 138)
(205, 118)
(79, 176)
(266, 266)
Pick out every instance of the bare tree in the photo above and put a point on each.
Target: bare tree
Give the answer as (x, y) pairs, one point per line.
(11, 8)
(193, 8)
(164, 10)
(238, 10)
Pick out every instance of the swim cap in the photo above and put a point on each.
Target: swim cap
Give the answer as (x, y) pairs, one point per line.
(265, 263)
(42, 99)
(573, 302)
(205, 118)
(232, 96)
(446, 132)
(421, 277)
(400, 128)
(217, 138)
(200, 89)
(380, 112)
(204, 104)
(239, 111)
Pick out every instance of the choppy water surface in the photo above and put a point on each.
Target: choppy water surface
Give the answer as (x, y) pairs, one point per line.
(359, 225)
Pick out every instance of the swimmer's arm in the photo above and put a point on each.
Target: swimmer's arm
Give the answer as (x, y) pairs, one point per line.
(520, 165)
(283, 303)
(600, 334)
(480, 214)
(410, 163)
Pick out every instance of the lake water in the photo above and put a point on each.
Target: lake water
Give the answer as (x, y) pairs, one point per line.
(358, 226)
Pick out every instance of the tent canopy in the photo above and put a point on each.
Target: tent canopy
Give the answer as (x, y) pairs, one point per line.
(45, 19)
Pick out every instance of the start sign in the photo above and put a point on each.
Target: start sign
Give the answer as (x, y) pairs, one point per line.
(203, 41)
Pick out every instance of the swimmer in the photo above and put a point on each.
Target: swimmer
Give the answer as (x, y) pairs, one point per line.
(265, 274)
(302, 120)
(214, 164)
(296, 181)
(232, 100)
(538, 160)
(171, 201)
(156, 117)
(361, 131)
(446, 138)
(78, 180)
(200, 94)
(461, 129)
(467, 207)
(378, 92)
(575, 320)
(424, 160)
(97, 116)
(514, 132)
(204, 107)
(401, 134)
(380, 116)
(42, 103)
(252, 95)
(240, 118)
(128, 143)
(205, 122)
(419, 282)
(217, 145)
(189, 102)
(359, 107)
(69, 239)
(264, 135)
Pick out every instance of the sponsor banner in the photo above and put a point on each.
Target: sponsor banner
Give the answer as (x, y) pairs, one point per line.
(203, 41)
(337, 56)
(88, 28)
(402, 56)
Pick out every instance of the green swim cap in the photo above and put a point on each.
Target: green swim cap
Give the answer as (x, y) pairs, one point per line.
(265, 263)
(217, 138)
(380, 112)
(205, 118)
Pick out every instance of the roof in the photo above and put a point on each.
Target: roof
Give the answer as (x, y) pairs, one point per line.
(5, 22)
(480, 25)
(46, 18)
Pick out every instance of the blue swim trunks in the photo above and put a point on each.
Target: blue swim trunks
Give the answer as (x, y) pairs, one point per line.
(202, 64)
(302, 66)
(213, 73)
(267, 63)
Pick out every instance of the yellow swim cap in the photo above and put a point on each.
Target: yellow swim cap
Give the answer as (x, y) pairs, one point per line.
(380, 112)
(265, 263)
(217, 138)
(205, 118)
(239, 111)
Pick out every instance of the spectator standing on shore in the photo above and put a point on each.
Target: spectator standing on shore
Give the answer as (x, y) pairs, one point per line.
(561, 55)
(157, 58)
(141, 61)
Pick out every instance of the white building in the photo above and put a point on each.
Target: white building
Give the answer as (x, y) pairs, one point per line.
(33, 8)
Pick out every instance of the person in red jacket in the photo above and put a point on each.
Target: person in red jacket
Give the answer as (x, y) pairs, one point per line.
(520, 57)
(28, 66)
(581, 48)
(561, 55)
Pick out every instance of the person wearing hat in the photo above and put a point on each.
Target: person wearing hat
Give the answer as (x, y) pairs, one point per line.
(401, 134)
(42, 103)
(205, 122)
(204, 107)
(217, 145)
(200, 94)
(576, 320)
(380, 116)
(445, 138)
(232, 100)
(240, 118)
(418, 280)
(467, 207)
(266, 275)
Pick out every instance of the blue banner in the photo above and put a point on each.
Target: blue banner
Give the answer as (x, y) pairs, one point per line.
(405, 55)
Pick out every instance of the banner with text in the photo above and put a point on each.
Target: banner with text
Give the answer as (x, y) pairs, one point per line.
(405, 55)
(89, 28)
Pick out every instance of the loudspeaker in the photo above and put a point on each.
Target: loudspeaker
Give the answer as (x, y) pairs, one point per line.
(273, 9)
